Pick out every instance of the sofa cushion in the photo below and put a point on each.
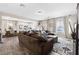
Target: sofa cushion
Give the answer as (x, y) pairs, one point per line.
(41, 39)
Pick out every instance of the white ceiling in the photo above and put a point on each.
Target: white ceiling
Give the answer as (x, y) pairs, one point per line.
(46, 10)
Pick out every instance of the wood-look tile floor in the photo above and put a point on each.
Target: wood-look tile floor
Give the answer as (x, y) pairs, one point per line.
(10, 46)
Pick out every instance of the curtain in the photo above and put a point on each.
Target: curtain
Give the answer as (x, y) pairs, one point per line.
(66, 26)
(72, 20)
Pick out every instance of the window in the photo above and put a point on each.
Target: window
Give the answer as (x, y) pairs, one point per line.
(59, 25)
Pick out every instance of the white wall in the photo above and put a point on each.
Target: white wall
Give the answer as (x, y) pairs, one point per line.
(78, 13)
(0, 21)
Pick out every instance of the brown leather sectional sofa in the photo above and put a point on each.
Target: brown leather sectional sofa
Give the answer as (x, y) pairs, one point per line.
(36, 44)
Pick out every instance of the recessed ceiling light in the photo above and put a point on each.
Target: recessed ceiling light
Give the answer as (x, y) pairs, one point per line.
(39, 11)
(22, 5)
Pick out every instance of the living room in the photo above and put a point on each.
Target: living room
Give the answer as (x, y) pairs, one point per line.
(37, 28)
